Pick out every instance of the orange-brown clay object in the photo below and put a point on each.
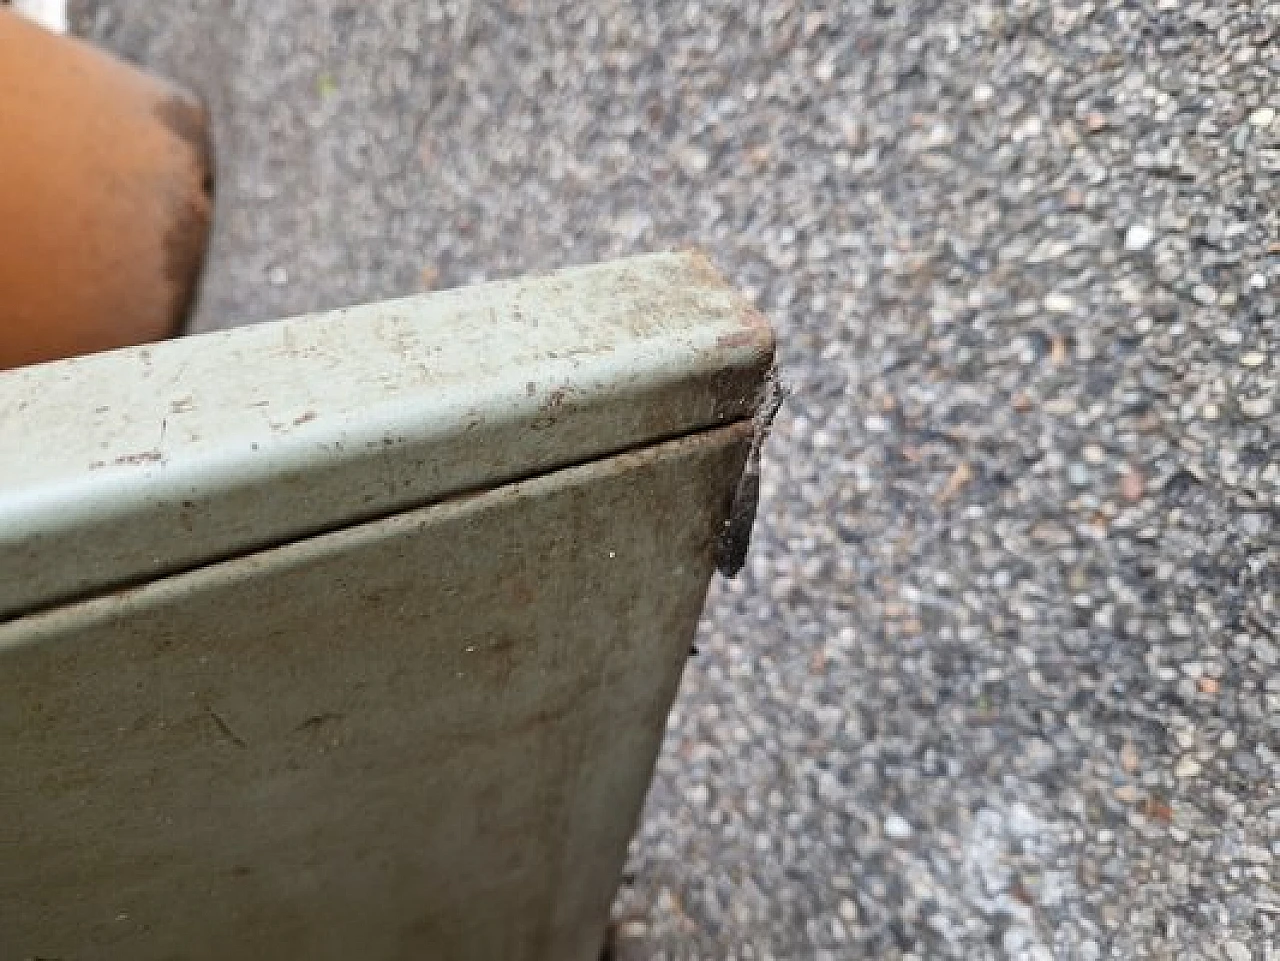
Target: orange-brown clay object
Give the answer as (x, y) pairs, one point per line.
(105, 199)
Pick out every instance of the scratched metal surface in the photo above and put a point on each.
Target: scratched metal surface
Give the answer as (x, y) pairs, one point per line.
(426, 736)
(135, 463)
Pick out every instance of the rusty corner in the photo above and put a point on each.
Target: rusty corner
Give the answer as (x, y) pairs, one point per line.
(735, 537)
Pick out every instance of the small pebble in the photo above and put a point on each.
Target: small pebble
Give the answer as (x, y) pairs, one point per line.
(1095, 122)
(896, 827)
(1138, 238)
(1204, 294)
(632, 930)
(1059, 304)
(1132, 484)
(1263, 117)
(1257, 407)
(1187, 767)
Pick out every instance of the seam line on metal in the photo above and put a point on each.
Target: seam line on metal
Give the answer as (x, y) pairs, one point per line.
(152, 576)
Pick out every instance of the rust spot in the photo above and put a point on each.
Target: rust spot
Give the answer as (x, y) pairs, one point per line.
(752, 317)
(741, 338)
(142, 457)
(701, 268)
(550, 408)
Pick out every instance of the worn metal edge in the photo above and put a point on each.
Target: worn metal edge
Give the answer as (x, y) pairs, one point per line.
(63, 620)
(602, 359)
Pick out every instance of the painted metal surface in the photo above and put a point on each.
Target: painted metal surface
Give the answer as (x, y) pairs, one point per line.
(426, 736)
(122, 466)
(410, 588)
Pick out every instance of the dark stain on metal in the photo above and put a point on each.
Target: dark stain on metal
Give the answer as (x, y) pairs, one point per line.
(319, 720)
(498, 659)
(735, 538)
(142, 457)
(225, 729)
(731, 390)
(746, 337)
(550, 408)
(548, 717)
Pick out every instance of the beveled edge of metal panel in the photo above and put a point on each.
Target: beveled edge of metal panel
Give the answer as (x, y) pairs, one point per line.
(57, 621)
(122, 466)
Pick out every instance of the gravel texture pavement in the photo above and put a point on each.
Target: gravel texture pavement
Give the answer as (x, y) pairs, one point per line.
(1001, 677)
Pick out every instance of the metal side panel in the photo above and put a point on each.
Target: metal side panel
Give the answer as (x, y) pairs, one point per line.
(423, 737)
(127, 465)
